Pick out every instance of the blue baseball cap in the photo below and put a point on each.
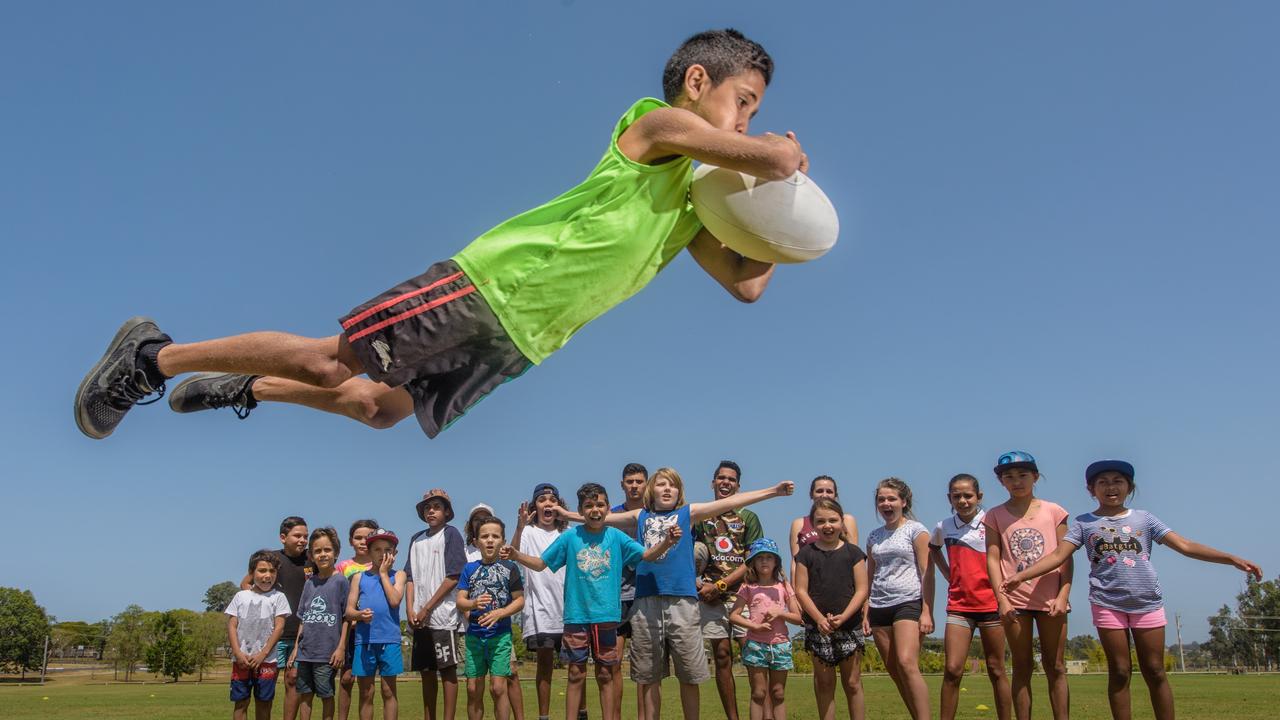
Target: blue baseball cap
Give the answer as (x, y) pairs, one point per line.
(1101, 466)
(543, 489)
(763, 545)
(1015, 460)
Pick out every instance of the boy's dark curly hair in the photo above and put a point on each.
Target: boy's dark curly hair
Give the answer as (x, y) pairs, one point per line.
(723, 53)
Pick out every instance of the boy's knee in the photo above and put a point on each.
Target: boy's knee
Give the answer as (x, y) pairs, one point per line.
(778, 694)
(577, 673)
(605, 673)
(952, 674)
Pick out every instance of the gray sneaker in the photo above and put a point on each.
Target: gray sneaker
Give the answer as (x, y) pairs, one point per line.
(210, 391)
(118, 381)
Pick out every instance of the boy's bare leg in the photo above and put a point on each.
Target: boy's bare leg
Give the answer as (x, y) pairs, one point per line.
(323, 362)
(390, 706)
(361, 399)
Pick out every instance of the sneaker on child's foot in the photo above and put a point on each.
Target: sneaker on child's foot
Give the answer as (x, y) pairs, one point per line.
(210, 391)
(119, 380)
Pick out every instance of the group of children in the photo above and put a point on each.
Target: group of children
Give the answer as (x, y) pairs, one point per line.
(1007, 569)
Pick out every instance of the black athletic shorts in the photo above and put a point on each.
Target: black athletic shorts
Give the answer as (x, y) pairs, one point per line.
(435, 650)
(887, 616)
(436, 336)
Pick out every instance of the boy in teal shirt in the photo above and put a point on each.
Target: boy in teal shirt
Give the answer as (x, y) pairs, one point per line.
(436, 344)
(593, 556)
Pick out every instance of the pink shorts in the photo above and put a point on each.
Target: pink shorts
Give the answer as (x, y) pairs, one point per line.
(1109, 619)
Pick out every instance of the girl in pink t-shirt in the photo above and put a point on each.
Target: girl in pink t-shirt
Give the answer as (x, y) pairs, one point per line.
(1020, 532)
(770, 604)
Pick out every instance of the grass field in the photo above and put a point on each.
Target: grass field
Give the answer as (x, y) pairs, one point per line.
(1249, 697)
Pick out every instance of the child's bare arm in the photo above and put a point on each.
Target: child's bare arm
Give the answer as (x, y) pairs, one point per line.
(671, 132)
(394, 588)
(939, 561)
(792, 615)
(233, 638)
(743, 278)
(1199, 551)
(668, 541)
(735, 615)
(533, 562)
(446, 586)
(715, 508)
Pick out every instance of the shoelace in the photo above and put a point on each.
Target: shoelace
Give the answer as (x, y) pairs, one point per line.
(131, 392)
(239, 403)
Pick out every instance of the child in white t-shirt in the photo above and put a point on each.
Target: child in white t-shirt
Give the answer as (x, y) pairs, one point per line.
(255, 622)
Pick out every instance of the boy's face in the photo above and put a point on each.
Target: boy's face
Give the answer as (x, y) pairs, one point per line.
(380, 549)
(322, 553)
(633, 486)
(593, 510)
(725, 483)
(731, 104)
(665, 494)
(294, 542)
(434, 512)
(546, 507)
(264, 576)
(490, 540)
(357, 540)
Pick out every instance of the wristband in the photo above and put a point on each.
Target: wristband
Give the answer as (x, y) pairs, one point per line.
(721, 586)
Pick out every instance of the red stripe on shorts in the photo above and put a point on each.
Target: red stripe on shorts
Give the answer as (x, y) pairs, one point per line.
(397, 300)
(410, 313)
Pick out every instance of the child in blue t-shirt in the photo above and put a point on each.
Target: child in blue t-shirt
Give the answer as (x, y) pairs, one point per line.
(1123, 589)
(593, 556)
(374, 605)
(490, 592)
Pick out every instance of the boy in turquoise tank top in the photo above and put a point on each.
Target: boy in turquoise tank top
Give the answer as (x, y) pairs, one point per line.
(436, 344)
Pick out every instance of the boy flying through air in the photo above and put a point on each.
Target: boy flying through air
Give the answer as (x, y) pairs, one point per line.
(436, 344)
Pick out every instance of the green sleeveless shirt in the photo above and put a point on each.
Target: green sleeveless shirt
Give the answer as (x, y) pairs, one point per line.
(551, 270)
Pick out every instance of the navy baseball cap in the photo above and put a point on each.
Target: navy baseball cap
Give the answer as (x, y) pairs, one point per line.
(543, 489)
(1101, 466)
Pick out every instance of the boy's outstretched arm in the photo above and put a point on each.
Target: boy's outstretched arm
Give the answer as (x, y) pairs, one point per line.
(702, 511)
(745, 279)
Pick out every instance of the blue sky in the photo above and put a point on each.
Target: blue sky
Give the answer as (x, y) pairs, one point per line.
(1059, 227)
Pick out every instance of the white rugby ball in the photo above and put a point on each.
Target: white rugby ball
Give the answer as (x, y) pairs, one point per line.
(780, 221)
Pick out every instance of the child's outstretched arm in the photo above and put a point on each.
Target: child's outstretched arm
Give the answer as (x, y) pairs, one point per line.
(1203, 552)
(1047, 564)
(533, 562)
(715, 508)
(624, 521)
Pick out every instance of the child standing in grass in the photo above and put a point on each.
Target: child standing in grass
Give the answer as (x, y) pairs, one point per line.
(832, 587)
(434, 563)
(255, 622)
(538, 525)
(971, 602)
(1123, 589)
(322, 639)
(373, 604)
(353, 566)
(771, 604)
(490, 592)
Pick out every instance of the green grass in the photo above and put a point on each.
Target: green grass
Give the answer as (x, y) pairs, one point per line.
(1249, 697)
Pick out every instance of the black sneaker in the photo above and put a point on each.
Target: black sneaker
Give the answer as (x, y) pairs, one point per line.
(210, 391)
(118, 381)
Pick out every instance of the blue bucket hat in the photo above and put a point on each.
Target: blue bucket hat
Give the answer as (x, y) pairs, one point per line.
(1101, 466)
(1015, 460)
(763, 545)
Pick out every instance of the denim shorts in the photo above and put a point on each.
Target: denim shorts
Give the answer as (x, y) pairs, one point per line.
(315, 678)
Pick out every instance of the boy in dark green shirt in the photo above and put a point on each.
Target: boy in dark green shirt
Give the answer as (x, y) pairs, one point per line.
(436, 344)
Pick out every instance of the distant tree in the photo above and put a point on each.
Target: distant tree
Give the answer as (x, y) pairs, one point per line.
(207, 633)
(24, 625)
(169, 652)
(71, 635)
(218, 597)
(1258, 607)
(130, 635)
(101, 631)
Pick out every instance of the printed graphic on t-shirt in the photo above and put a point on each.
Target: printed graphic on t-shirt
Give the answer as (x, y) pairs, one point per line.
(318, 613)
(1027, 546)
(494, 579)
(594, 561)
(655, 529)
(1107, 544)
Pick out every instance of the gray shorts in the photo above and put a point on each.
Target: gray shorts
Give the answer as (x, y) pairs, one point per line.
(666, 628)
(715, 623)
(315, 678)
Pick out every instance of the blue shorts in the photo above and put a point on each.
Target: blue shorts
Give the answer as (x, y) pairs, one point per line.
(259, 682)
(771, 656)
(377, 659)
(284, 649)
(315, 678)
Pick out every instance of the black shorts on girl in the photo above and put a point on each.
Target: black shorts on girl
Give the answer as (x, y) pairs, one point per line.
(436, 336)
(833, 649)
(887, 616)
